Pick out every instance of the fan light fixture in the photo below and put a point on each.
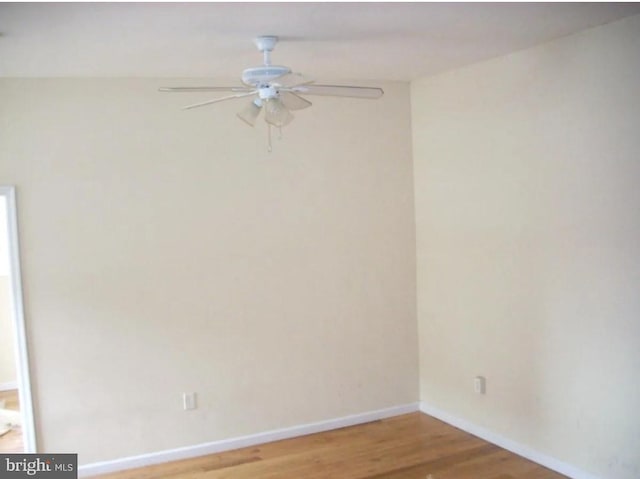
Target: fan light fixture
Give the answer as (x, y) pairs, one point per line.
(249, 114)
(276, 90)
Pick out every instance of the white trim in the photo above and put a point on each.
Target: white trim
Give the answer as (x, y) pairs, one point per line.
(88, 470)
(17, 312)
(9, 386)
(506, 443)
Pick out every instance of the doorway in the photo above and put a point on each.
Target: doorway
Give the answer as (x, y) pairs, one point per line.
(17, 431)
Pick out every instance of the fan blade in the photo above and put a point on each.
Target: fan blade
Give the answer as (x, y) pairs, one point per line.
(292, 101)
(291, 80)
(276, 114)
(338, 90)
(224, 98)
(189, 89)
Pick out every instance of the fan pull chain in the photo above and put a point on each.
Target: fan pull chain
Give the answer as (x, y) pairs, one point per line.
(279, 133)
(269, 137)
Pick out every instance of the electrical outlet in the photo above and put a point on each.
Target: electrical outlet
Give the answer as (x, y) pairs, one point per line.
(189, 401)
(480, 385)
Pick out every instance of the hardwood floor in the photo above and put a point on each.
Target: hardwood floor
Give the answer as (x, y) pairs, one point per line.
(11, 441)
(412, 446)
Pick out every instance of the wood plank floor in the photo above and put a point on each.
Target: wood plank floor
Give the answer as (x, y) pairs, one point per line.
(11, 441)
(412, 446)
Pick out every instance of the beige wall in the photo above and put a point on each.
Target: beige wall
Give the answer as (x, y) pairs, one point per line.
(528, 230)
(8, 374)
(7, 349)
(166, 251)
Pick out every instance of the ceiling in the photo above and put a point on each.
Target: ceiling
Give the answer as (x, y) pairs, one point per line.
(381, 41)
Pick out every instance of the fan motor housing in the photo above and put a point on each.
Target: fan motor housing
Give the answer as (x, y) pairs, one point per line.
(263, 75)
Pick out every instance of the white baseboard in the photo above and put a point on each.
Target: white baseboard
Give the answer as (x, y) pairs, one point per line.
(506, 443)
(8, 386)
(105, 467)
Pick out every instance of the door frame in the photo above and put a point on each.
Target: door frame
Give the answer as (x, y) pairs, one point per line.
(17, 316)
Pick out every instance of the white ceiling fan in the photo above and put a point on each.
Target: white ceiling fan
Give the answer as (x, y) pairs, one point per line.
(275, 89)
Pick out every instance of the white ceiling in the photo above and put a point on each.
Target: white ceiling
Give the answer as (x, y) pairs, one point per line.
(382, 41)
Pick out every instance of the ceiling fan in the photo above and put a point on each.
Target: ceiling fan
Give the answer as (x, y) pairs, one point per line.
(274, 89)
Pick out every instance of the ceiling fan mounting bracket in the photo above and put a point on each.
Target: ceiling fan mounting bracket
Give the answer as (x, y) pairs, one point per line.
(266, 43)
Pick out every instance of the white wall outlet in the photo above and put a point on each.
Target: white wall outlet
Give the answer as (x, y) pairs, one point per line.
(480, 385)
(189, 401)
